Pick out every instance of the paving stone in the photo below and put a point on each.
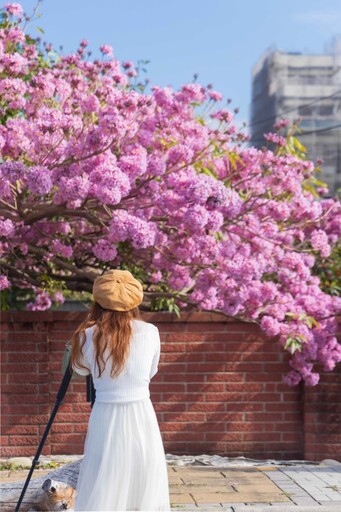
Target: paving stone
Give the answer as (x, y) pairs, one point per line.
(15, 476)
(209, 506)
(333, 495)
(285, 508)
(262, 497)
(25, 462)
(216, 497)
(193, 480)
(304, 500)
(183, 506)
(175, 480)
(183, 497)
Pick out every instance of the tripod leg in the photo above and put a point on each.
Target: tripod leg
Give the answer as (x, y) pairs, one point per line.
(60, 396)
(90, 390)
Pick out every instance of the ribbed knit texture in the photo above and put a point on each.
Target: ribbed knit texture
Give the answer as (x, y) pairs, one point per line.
(141, 365)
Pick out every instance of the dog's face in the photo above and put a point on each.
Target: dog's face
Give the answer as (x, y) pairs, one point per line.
(58, 495)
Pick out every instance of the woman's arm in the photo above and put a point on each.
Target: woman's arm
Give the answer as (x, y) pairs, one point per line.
(156, 358)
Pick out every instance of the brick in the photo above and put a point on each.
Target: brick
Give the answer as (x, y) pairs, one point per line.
(184, 417)
(34, 419)
(67, 438)
(62, 428)
(84, 407)
(11, 409)
(35, 378)
(67, 449)
(177, 397)
(208, 327)
(16, 346)
(70, 417)
(177, 367)
(244, 367)
(285, 407)
(288, 437)
(80, 428)
(183, 436)
(226, 338)
(169, 357)
(206, 407)
(204, 387)
(224, 377)
(262, 436)
(21, 429)
(264, 417)
(22, 440)
(230, 417)
(20, 451)
(176, 427)
(216, 356)
(227, 436)
(22, 368)
(185, 337)
(165, 328)
(25, 389)
(184, 347)
(204, 367)
(24, 399)
(170, 387)
(188, 377)
(164, 406)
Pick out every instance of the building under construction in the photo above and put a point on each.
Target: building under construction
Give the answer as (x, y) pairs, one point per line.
(297, 85)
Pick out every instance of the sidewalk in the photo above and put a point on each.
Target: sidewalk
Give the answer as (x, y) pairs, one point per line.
(256, 489)
(281, 488)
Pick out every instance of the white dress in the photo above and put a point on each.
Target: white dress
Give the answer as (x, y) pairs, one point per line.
(124, 465)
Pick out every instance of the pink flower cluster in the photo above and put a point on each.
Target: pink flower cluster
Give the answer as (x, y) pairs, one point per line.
(14, 9)
(282, 123)
(275, 138)
(94, 175)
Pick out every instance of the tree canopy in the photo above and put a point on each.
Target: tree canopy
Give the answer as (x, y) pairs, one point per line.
(97, 173)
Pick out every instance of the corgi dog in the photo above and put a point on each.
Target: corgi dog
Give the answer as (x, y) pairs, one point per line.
(55, 496)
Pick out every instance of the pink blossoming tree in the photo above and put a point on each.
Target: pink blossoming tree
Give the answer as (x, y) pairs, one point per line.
(96, 174)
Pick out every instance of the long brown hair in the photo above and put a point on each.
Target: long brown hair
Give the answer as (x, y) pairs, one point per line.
(113, 331)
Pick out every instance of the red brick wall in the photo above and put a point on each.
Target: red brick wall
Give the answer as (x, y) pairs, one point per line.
(218, 391)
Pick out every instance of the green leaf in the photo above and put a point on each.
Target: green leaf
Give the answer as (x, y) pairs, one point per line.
(299, 145)
(311, 321)
(235, 159)
(40, 30)
(310, 189)
(317, 182)
(294, 343)
(208, 172)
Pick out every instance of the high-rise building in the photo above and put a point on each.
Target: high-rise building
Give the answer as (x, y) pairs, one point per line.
(305, 86)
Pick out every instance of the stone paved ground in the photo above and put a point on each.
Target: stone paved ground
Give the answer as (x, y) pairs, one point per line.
(257, 489)
(270, 488)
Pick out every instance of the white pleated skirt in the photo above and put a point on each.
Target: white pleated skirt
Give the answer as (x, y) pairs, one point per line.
(124, 465)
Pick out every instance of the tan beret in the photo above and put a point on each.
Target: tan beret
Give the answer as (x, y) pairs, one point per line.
(118, 290)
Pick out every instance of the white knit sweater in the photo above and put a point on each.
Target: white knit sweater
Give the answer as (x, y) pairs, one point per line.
(141, 365)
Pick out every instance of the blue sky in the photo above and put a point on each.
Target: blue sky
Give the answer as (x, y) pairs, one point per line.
(218, 39)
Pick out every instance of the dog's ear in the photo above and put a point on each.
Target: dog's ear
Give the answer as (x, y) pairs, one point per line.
(48, 487)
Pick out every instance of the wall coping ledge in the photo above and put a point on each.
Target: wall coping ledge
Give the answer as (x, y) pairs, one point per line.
(78, 316)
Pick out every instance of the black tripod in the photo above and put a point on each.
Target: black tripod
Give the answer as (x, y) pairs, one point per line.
(90, 397)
